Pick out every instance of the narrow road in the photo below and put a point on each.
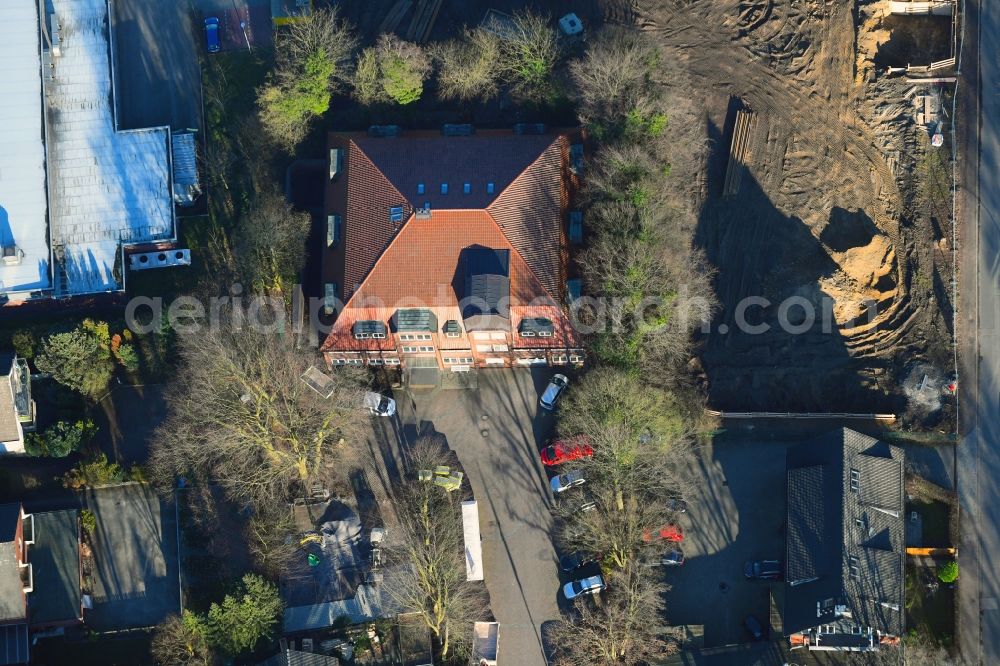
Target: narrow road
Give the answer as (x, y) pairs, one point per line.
(979, 427)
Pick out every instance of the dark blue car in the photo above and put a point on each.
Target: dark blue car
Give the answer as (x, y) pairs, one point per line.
(212, 35)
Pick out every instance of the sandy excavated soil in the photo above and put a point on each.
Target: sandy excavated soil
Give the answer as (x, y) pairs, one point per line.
(827, 209)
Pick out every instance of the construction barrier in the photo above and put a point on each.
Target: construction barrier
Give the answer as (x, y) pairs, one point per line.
(932, 552)
(801, 415)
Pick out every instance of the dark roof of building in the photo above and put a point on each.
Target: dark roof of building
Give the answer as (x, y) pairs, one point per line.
(11, 587)
(297, 658)
(414, 319)
(845, 543)
(55, 562)
(485, 285)
(13, 644)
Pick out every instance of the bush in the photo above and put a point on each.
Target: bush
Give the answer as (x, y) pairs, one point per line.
(96, 471)
(948, 572)
(24, 343)
(88, 520)
(60, 439)
(79, 359)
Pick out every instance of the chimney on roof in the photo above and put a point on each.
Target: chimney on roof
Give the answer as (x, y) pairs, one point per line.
(424, 212)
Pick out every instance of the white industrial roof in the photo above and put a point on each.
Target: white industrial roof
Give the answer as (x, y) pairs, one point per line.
(107, 187)
(22, 154)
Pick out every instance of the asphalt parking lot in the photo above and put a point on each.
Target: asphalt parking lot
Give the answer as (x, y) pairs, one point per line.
(135, 558)
(736, 514)
(157, 76)
(496, 430)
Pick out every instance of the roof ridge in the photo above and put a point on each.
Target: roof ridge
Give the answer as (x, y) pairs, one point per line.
(519, 176)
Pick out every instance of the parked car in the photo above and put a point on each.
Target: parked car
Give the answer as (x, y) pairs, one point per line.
(753, 626)
(674, 558)
(762, 569)
(591, 585)
(669, 532)
(564, 450)
(574, 561)
(555, 388)
(379, 404)
(677, 505)
(564, 482)
(212, 35)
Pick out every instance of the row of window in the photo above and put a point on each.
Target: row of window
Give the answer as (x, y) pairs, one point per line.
(466, 188)
(415, 349)
(458, 360)
(371, 361)
(415, 336)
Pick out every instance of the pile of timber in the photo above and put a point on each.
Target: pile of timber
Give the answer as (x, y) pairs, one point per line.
(395, 16)
(739, 152)
(423, 20)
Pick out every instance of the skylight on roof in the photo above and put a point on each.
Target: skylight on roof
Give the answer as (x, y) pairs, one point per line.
(444, 188)
(396, 213)
(467, 188)
(420, 188)
(490, 187)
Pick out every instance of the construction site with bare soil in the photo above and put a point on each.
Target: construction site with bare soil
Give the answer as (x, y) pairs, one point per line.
(827, 191)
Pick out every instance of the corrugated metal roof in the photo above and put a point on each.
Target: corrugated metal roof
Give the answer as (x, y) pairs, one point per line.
(107, 187)
(22, 153)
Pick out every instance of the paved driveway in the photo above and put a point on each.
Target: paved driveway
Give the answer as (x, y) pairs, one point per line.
(135, 558)
(510, 485)
(736, 514)
(158, 80)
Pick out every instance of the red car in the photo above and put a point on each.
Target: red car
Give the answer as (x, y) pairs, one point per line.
(564, 450)
(669, 532)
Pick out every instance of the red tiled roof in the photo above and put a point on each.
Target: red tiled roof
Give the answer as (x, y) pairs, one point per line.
(367, 228)
(530, 214)
(490, 157)
(418, 265)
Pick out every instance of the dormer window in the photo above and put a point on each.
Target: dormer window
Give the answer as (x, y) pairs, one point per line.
(535, 326)
(368, 328)
(452, 329)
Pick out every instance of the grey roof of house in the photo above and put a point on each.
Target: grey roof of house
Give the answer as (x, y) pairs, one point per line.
(55, 562)
(833, 529)
(11, 589)
(485, 287)
(13, 644)
(9, 431)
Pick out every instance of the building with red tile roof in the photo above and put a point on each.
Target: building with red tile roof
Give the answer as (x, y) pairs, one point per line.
(450, 252)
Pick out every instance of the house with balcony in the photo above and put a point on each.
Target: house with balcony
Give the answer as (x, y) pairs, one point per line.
(450, 251)
(844, 580)
(40, 576)
(17, 409)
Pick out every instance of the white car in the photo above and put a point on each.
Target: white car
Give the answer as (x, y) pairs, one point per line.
(379, 404)
(563, 482)
(592, 585)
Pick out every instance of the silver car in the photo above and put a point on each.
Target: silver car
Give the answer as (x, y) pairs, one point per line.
(379, 404)
(591, 585)
(564, 482)
(555, 388)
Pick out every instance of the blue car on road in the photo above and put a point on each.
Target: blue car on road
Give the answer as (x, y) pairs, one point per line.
(212, 35)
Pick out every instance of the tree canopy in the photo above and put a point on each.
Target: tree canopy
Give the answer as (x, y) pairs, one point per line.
(79, 359)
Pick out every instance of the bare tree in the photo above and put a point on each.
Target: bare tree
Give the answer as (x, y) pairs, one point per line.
(181, 641)
(617, 78)
(239, 412)
(529, 51)
(367, 86)
(640, 436)
(271, 243)
(312, 61)
(626, 628)
(428, 552)
(269, 535)
(469, 68)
